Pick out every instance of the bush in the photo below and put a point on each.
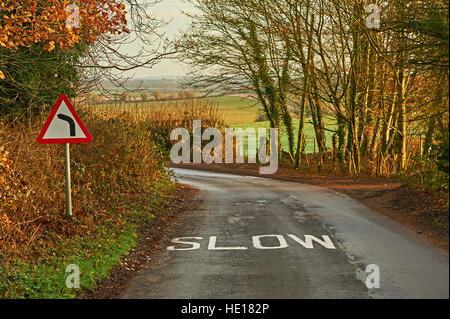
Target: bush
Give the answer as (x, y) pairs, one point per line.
(118, 183)
(431, 173)
(440, 153)
(122, 165)
(34, 78)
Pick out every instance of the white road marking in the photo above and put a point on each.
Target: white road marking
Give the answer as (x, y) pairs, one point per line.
(180, 240)
(308, 242)
(257, 242)
(212, 245)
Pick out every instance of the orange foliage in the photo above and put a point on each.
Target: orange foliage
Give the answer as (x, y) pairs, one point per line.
(24, 22)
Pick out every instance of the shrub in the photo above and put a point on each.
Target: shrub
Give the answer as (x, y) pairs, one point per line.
(440, 153)
(34, 78)
(121, 166)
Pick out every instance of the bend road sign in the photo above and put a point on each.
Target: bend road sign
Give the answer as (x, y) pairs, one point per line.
(64, 125)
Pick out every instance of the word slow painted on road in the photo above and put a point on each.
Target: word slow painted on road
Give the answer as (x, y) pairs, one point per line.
(271, 241)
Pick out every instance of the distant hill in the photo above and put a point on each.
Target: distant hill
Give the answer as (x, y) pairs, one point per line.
(165, 84)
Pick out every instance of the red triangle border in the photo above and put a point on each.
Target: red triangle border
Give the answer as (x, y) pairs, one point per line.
(41, 140)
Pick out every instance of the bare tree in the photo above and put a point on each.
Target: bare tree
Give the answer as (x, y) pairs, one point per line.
(231, 45)
(106, 60)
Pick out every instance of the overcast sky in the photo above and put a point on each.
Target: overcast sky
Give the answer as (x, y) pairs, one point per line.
(168, 10)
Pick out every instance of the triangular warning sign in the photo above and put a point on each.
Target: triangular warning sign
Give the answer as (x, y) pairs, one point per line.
(64, 125)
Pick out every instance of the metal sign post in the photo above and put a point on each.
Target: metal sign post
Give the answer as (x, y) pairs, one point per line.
(68, 186)
(64, 126)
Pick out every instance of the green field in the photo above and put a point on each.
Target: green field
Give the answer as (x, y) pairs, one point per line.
(236, 110)
(239, 110)
(243, 112)
(309, 133)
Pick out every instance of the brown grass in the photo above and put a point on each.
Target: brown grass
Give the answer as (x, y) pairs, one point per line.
(168, 114)
(115, 167)
(121, 166)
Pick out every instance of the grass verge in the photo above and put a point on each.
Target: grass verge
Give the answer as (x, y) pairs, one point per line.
(95, 255)
(118, 182)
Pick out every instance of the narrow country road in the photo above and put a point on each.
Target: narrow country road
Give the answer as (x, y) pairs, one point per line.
(263, 238)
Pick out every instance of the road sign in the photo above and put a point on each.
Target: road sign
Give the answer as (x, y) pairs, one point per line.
(64, 125)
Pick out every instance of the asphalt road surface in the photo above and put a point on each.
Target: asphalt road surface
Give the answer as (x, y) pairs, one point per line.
(263, 238)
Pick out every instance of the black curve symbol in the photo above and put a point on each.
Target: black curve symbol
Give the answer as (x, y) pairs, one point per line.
(70, 121)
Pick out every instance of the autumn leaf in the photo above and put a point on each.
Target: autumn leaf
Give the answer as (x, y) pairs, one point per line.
(25, 23)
